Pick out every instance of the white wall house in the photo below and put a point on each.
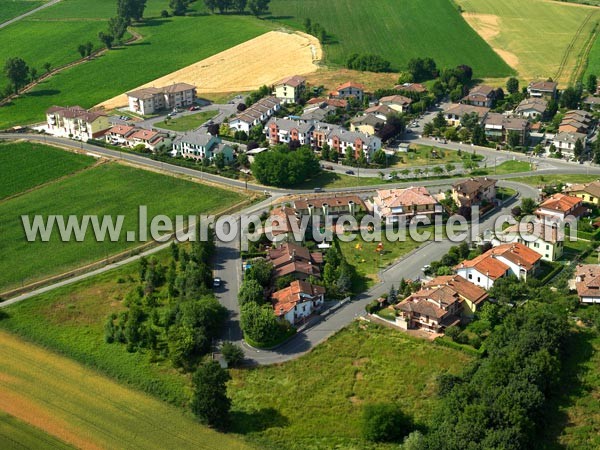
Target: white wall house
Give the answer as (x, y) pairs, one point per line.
(290, 89)
(256, 114)
(298, 301)
(76, 123)
(149, 100)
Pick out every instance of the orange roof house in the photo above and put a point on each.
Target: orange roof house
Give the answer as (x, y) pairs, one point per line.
(297, 301)
(559, 206)
(392, 205)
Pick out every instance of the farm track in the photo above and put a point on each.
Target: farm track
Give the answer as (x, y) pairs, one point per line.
(135, 37)
(569, 49)
(583, 58)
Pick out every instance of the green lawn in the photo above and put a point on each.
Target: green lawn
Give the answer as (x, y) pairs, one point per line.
(17, 435)
(425, 155)
(538, 180)
(38, 42)
(316, 401)
(509, 167)
(540, 39)
(331, 180)
(398, 30)
(75, 403)
(26, 165)
(186, 123)
(12, 8)
(109, 189)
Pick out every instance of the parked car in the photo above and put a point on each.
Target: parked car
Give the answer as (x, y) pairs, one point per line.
(328, 167)
(318, 189)
(349, 172)
(194, 108)
(217, 282)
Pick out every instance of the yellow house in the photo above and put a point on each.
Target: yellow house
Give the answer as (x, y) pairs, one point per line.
(75, 122)
(588, 193)
(368, 124)
(290, 89)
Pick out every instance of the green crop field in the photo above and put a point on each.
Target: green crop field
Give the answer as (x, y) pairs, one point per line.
(167, 45)
(187, 123)
(12, 8)
(109, 189)
(17, 435)
(316, 401)
(398, 30)
(26, 165)
(538, 38)
(87, 410)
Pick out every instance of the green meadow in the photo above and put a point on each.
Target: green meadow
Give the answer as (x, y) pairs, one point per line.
(109, 189)
(13, 8)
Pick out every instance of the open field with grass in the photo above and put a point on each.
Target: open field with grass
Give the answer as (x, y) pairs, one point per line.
(89, 9)
(538, 38)
(174, 43)
(13, 8)
(316, 401)
(396, 30)
(539, 180)
(87, 410)
(53, 41)
(187, 123)
(26, 165)
(109, 189)
(17, 435)
(504, 168)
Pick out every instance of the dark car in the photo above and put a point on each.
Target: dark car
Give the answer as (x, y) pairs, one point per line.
(349, 172)
(328, 167)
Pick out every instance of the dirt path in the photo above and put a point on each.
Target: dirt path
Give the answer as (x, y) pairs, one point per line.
(263, 60)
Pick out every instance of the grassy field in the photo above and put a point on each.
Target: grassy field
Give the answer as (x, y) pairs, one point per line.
(538, 180)
(396, 30)
(174, 43)
(109, 189)
(26, 165)
(186, 123)
(316, 401)
(540, 39)
(425, 155)
(12, 8)
(508, 167)
(17, 435)
(87, 410)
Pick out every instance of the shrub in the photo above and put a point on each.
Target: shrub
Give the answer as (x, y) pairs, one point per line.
(232, 353)
(385, 422)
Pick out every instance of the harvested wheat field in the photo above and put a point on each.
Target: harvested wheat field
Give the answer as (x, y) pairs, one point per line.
(89, 411)
(265, 59)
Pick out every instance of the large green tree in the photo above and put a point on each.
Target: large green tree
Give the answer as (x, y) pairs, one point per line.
(209, 399)
(17, 72)
(283, 168)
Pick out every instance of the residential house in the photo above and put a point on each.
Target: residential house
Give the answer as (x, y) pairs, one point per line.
(280, 131)
(349, 90)
(531, 108)
(339, 139)
(398, 103)
(333, 207)
(576, 121)
(283, 224)
(317, 112)
(587, 192)
(256, 114)
(381, 111)
(151, 139)
(480, 95)
(298, 301)
(118, 134)
(335, 102)
(402, 205)
(587, 283)
(149, 100)
(456, 112)
(368, 124)
(197, 145)
(592, 102)
(499, 127)
(545, 89)
(76, 123)
(411, 87)
(293, 259)
(290, 89)
(475, 191)
(440, 303)
(559, 207)
(505, 259)
(539, 236)
(565, 142)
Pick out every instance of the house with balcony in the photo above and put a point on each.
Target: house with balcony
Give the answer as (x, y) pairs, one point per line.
(394, 206)
(293, 259)
(501, 261)
(339, 139)
(541, 237)
(332, 206)
(76, 123)
(559, 207)
(257, 114)
(456, 112)
(196, 145)
(398, 103)
(349, 90)
(498, 128)
(474, 191)
(480, 95)
(298, 301)
(531, 108)
(150, 100)
(283, 131)
(368, 124)
(543, 89)
(587, 192)
(290, 89)
(587, 283)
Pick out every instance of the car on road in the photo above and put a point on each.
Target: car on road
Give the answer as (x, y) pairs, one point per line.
(318, 189)
(426, 268)
(349, 172)
(194, 108)
(328, 167)
(217, 282)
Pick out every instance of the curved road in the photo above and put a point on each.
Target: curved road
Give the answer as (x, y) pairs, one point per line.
(228, 264)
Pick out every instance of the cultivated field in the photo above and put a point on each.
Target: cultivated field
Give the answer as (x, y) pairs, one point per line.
(538, 38)
(316, 401)
(245, 67)
(173, 43)
(13, 8)
(396, 30)
(109, 189)
(17, 435)
(26, 165)
(89, 411)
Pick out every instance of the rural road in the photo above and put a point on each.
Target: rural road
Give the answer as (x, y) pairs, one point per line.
(28, 13)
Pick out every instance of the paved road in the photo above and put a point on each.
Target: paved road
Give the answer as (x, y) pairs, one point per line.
(28, 13)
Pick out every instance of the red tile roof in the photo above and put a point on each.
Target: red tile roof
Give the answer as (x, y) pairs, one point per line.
(285, 299)
(561, 202)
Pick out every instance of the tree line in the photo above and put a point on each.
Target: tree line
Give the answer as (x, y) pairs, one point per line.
(256, 7)
(282, 167)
